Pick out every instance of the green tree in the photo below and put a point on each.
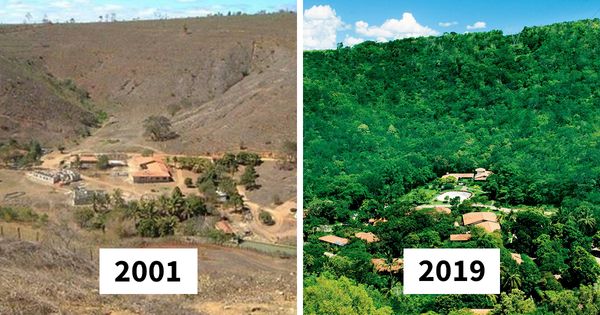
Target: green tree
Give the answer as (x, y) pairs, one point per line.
(102, 163)
(158, 128)
(584, 267)
(514, 303)
(249, 177)
(350, 298)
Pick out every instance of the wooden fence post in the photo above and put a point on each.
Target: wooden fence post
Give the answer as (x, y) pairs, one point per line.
(19, 232)
(37, 236)
(2, 231)
(91, 254)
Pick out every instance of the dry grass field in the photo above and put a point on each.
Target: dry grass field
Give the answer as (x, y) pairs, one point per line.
(225, 81)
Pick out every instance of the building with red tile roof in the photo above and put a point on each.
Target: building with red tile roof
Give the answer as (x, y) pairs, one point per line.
(460, 237)
(367, 236)
(381, 265)
(150, 170)
(336, 240)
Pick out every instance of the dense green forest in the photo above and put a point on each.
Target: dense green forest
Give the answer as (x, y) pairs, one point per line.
(384, 121)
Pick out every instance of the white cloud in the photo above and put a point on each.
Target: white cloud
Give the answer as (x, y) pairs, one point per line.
(197, 12)
(395, 29)
(108, 8)
(61, 4)
(321, 24)
(477, 25)
(145, 13)
(447, 24)
(351, 41)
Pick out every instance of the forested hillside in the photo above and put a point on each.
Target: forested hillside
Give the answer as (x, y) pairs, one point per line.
(383, 120)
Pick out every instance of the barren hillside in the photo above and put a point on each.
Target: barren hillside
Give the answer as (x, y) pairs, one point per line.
(33, 105)
(47, 278)
(223, 80)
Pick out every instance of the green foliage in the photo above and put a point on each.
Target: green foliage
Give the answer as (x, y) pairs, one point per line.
(342, 296)
(248, 158)
(194, 164)
(266, 218)
(102, 162)
(584, 267)
(384, 121)
(514, 303)
(158, 128)
(21, 214)
(147, 152)
(20, 155)
(249, 177)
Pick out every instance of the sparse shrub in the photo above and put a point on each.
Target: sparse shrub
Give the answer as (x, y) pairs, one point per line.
(266, 218)
(217, 236)
(189, 183)
(87, 218)
(83, 216)
(102, 162)
(172, 109)
(147, 153)
(126, 228)
(192, 227)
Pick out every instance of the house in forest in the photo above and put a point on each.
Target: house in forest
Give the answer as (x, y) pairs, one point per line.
(374, 221)
(381, 265)
(481, 311)
(517, 258)
(367, 236)
(459, 175)
(460, 237)
(485, 220)
(481, 174)
(336, 240)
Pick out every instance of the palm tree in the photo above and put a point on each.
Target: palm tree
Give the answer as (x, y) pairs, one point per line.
(163, 205)
(587, 222)
(511, 281)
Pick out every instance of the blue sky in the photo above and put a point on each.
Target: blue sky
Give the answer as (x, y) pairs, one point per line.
(15, 11)
(355, 21)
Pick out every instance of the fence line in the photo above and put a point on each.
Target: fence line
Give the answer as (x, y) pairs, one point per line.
(39, 236)
(43, 237)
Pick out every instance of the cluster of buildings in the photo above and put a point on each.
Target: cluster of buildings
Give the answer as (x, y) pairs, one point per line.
(480, 174)
(52, 177)
(146, 169)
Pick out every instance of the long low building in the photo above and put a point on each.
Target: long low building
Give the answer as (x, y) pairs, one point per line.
(63, 176)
